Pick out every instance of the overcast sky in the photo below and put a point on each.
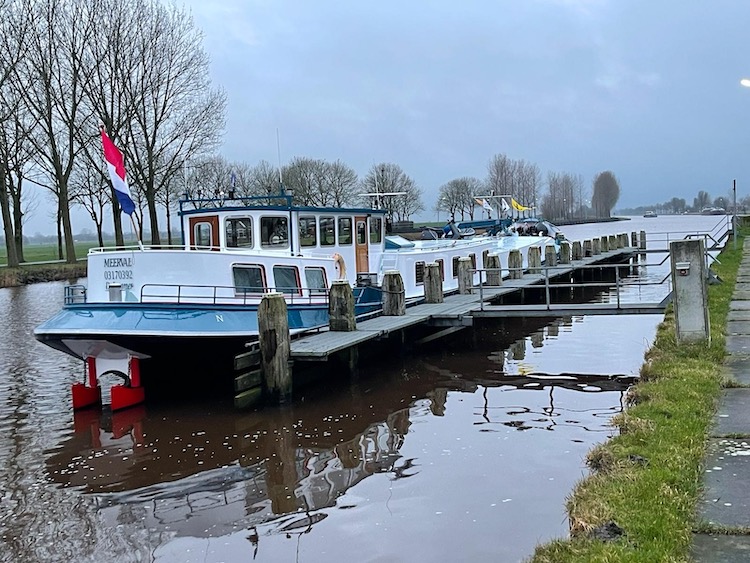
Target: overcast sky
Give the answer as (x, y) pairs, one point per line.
(648, 89)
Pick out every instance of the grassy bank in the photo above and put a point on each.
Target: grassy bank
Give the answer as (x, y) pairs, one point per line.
(647, 479)
(34, 273)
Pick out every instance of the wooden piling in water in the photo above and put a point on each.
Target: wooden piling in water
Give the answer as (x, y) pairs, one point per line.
(535, 259)
(274, 339)
(596, 247)
(465, 275)
(565, 252)
(604, 243)
(588, 249)
(550, 255)
(634, 239)
(341, 307)
(612, 242)
(515, 264)
(394, 303)
(433, 283)
(494, 275)
(576, 250)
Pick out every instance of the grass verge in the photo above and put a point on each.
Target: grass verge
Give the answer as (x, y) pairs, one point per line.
(648, 478)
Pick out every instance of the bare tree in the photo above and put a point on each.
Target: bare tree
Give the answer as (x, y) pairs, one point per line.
(86, 187)
(501, 175)
(177, 115)
(259, 180)
(458, 195)
(341, 182)
(388, 178)
(606, 193)
(703, 199)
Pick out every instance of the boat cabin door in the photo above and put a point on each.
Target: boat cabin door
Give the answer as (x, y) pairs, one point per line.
(361, 246)
(204, 232)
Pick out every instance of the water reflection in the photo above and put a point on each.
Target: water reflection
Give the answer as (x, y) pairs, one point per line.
(205, 471)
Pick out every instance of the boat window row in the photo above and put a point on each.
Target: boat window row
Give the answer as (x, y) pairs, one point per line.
(314, 231)
(252, 279)
(419, 267)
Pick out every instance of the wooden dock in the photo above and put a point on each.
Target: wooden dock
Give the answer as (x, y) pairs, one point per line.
(458, 311)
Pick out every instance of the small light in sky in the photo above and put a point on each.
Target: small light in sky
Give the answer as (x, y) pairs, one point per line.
(745, 82)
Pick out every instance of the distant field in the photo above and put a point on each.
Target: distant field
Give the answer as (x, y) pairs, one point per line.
(47, 252)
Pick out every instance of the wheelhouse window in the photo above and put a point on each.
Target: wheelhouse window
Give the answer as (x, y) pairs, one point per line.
(361, 232)
(248, 279)
(419, 272)
(376, 229)
(274, 232)
(239, 232)
(286, 279)
(202, 234)
(315, 279)
(345, 230)
(327, 231)
(307, 231)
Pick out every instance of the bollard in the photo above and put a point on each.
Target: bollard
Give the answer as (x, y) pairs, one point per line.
(515, 264)
(494, 274)
(577, 250)
(588, 249)
(623, 240)
(612, 245)
(433, 283)
(642, 241)
(596, 247)
(604, 243)
(465, 275)
(341, 307)
(565, 252)
(394, 303)
(535, 260)
(634, 239)
(273, 334)
(688, 266)
(494, 270)
(550, 256)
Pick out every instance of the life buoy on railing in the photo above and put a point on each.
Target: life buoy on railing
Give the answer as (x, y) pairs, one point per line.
(340, 265)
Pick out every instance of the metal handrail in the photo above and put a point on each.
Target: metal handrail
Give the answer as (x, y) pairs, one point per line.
(546, 273)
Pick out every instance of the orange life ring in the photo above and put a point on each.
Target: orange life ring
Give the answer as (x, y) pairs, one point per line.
(340, 265)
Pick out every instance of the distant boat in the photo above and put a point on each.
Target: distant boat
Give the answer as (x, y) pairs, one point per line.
(650, 214)
(713, 211)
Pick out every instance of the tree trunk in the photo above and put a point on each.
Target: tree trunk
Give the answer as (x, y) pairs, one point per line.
(153, 218)
(18, 223)
(10, 244)
(70, 247)
(59, 233)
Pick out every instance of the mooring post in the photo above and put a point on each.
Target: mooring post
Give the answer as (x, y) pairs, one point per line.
(596, 246)
(275, 347)
(604, 243)
(515, 264)
(433, 283)
(341, 307)
(394, 303)
(642, 245)
(494, 275)
(634, 239)
(623, 240)
(612, 242)
(550, 256)
(690, 294)
(565, 252)
(535, 260)
(576, 251)
(587, 248)
(465, 275)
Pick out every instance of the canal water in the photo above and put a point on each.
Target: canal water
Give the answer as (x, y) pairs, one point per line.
(466, 451)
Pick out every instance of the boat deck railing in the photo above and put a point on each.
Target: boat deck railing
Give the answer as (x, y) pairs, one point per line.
(219, 295)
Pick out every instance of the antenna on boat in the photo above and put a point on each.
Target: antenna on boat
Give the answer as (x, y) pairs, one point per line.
(278, 155)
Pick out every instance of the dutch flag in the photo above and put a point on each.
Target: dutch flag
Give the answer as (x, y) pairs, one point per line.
(116, 168)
